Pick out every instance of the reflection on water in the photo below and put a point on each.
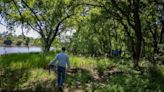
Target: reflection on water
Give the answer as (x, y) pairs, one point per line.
(8, 50)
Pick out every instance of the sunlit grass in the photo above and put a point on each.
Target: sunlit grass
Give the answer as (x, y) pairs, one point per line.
(29, 73)
(83, 62)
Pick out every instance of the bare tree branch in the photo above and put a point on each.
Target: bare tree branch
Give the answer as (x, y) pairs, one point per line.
(158, 1)
(57, 27)
(22, 19)
(124, 13)
(35, 16)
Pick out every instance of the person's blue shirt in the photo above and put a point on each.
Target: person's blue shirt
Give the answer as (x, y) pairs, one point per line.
(62, 60)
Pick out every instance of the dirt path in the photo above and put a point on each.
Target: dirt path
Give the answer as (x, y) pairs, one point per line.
(96, 77)
(76, 90)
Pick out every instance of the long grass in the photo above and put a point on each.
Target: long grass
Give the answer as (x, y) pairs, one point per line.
(28, 73)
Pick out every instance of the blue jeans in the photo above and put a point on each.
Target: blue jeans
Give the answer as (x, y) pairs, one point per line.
(61, 75)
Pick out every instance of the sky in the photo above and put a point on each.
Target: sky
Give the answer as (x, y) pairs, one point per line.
(33, 33)
(18, 31)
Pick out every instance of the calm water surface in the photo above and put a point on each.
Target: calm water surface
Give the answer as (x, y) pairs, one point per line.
(9, 50)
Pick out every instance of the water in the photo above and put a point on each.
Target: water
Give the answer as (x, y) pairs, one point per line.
(9, 50)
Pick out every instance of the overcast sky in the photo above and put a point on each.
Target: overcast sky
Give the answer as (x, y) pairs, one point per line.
(18, 31)
(34, 34)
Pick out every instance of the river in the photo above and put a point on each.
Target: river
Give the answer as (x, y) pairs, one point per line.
(9, 50)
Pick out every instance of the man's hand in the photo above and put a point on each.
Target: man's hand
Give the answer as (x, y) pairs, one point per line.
(49, 68)
(68, 69)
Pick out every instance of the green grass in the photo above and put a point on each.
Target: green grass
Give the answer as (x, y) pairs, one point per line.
(28, 73)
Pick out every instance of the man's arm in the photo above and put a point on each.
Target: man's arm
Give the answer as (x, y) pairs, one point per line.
(68, 63)
(54, 60)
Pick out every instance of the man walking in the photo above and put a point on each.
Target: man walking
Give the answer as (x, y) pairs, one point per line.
(62, 63)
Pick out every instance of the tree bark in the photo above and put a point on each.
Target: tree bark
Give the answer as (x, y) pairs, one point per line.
(162, 33)
(47, 43)
(155, 36)
(155, 43)
(138, 34)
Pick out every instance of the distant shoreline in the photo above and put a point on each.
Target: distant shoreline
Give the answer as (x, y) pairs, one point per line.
(21, 49)
(18, 46)
(17, 49)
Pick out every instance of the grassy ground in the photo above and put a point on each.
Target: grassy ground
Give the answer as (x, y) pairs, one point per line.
(28, 73)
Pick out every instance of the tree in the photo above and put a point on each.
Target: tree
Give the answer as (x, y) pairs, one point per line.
(160, 5)
(127, 12)
(43, 16)
(130, 14)
(8, 41)
(27, 41)
(19, 43)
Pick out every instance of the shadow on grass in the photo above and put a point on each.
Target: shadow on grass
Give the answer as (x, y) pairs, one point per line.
(77, 78)
(151, 81)
(16, 69)
(11, 78)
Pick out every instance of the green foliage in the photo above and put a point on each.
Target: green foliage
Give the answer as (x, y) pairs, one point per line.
(27, 41)
(19, 43)
(27, 72)
(40, 17)
(104, 64)
(101, 26)
(8, 42)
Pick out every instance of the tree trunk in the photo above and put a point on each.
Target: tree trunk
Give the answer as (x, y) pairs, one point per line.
(155, 43)
(138, 34)
(162, 33)
(46, 45)
(46, 48)
(130, 38)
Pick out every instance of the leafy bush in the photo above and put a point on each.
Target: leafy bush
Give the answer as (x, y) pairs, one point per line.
(8, 42)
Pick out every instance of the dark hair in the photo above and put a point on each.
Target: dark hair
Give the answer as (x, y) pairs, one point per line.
(63, 49)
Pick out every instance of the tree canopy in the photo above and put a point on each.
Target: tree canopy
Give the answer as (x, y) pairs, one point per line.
(133, 26)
